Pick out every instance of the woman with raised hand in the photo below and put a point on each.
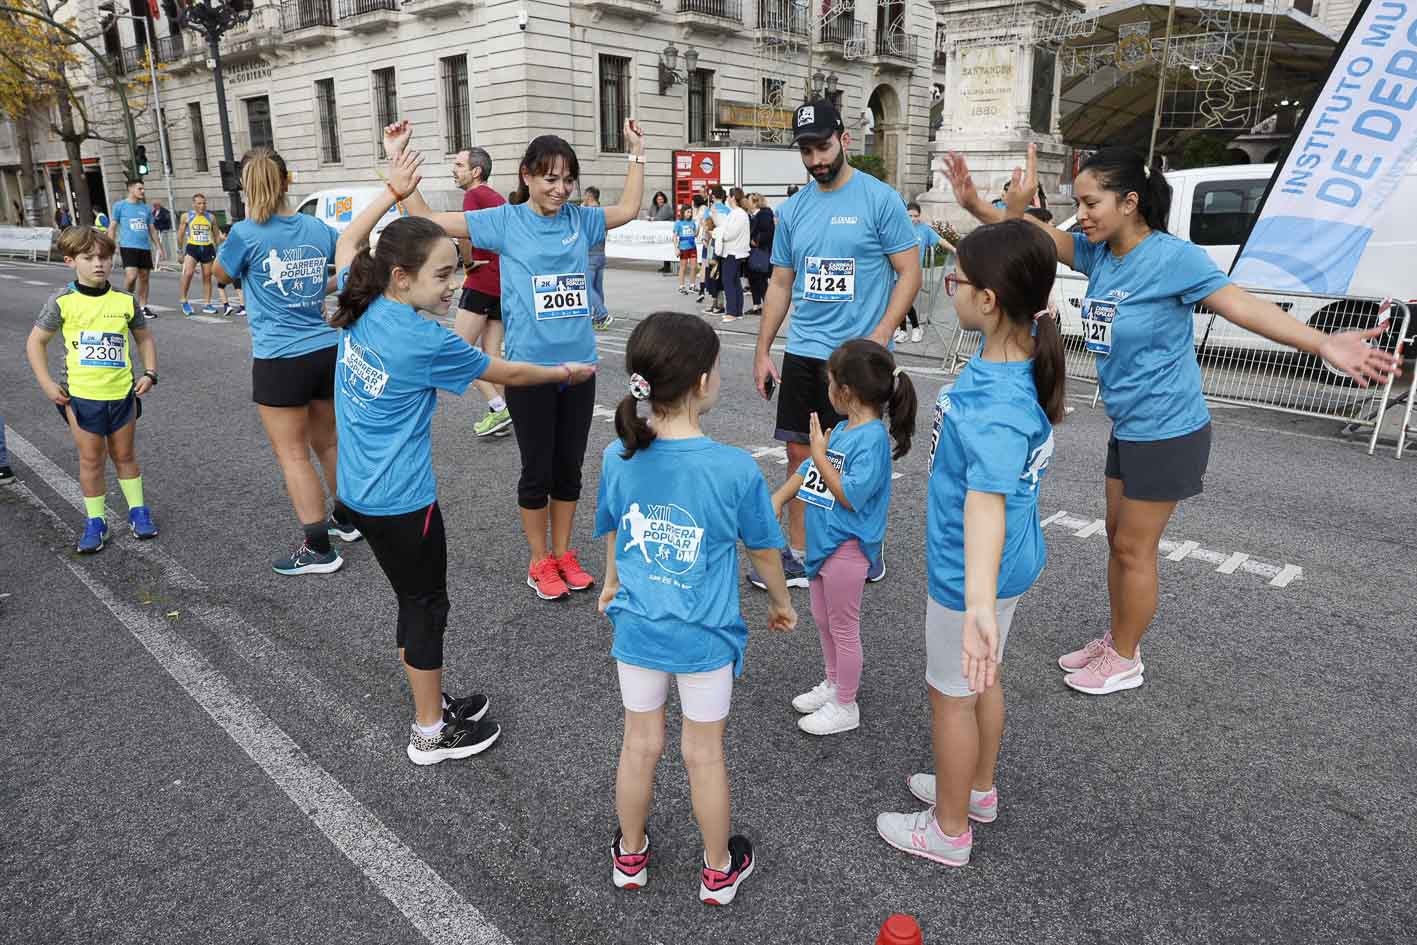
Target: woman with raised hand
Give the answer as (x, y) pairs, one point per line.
(544, 242)
(1143, 284)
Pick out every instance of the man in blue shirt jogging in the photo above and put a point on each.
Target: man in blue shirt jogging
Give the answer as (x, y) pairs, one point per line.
(132, 228)
(846, 259)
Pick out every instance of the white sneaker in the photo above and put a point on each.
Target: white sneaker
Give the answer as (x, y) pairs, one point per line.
(983, 805)
(919, 835)
(900, 336)
(816, 697)
(831, 719)
(917, 335)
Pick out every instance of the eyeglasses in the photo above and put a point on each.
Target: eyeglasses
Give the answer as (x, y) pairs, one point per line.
(953, 282)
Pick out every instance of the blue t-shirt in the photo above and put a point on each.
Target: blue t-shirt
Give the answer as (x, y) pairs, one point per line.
(1151, 383)
(865, 456)
(545, 297)
(990, 435)
(928, 239)
(678, 510)
(686, 231)
(392, 363)
(133, 221)
(282, 265)
(838, 243)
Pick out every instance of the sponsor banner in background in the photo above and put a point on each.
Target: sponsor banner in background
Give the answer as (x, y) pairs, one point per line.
(25, 239)
(642, 239)
(1357, 141)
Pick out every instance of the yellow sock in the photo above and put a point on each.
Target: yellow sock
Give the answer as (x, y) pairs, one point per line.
(132, 491)
(94, 506)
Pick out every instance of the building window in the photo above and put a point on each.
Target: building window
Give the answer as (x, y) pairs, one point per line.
(700, 103)
(329, 121)
(774, 91)
(1040, 108)
(386, 104)
(457, 109)
(199, 136)
(258, 122)
(614, 102)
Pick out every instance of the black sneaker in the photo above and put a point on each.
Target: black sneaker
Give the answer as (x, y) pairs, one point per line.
(718, 887)
(306, 560)
(149, 313)
(629, 870)
(469, 708)
(341, 529)
(7, 475)
(458, 739)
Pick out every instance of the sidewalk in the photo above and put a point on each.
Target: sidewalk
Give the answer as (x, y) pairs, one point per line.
(634, 290)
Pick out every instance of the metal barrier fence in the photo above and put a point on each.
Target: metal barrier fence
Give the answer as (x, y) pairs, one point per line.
(1239, 367)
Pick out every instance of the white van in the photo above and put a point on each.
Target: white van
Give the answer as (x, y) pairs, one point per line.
(1214, 207)
(338, 208)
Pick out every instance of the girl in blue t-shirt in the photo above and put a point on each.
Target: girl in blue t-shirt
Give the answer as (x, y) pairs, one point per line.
(392, 363)
(673, 506)
(990, 448)
(1143, 286)
(846, 489)
(687, 231)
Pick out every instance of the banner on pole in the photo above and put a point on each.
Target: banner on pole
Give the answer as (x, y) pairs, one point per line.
(1358, 139)
(641, 239)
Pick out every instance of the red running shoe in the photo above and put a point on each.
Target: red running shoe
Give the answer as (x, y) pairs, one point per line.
(572, 573)
(718, 887)
(629, 870)
(545, 579)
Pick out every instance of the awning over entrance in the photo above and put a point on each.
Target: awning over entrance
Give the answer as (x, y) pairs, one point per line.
(1231, 65)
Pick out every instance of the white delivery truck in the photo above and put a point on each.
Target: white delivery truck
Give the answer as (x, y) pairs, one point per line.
(339, 207)
(757, 169)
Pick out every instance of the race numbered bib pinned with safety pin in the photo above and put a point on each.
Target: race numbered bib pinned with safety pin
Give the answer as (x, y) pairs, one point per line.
(1097, 318)
(560, 296)
(102, 349)
(814, 489)
(829, 280)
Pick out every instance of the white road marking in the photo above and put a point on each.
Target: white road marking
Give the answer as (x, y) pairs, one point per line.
(432, 906)
(1183, 549)
(1286, 574)
(6, 275)
(1052, 518)
(1091, 528)
(1236, 559)
(207, 319)
(35, 282)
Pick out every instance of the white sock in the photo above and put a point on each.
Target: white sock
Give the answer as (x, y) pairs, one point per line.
(496, 404)
(979, 795)
(428, 731)
(642, 849)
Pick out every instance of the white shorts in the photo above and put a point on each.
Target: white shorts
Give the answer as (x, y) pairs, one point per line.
(703, 697)
(944, 643)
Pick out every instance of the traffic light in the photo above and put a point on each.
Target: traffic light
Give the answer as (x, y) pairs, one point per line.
(140, 160)
(106, 15)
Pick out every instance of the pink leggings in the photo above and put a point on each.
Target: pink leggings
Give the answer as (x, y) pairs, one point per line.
(836, 607)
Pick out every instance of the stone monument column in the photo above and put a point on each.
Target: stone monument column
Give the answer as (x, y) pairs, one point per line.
(1001, 95)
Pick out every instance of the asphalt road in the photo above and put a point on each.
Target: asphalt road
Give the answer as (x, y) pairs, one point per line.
(196, 749)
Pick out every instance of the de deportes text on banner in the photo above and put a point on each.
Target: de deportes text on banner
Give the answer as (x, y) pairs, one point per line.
(1357, 142)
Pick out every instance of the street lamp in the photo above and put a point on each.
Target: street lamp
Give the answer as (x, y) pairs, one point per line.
(669, 60)
(824, 84)
(109, 14)
(212, 18)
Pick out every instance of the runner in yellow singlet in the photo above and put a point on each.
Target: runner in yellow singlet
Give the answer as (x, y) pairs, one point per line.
(199, 234)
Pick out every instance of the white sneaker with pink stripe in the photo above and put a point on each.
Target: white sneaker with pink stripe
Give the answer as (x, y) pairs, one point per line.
(983, 805)
(919, 835)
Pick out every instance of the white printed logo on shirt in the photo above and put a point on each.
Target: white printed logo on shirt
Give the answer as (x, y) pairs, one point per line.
(297, 273)
(1038, 462)
(364, 377)
(942, 407)
(665, 534)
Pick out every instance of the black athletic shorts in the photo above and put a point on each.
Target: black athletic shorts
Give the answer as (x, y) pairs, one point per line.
(136, 258)
(480, 303)
(202, 254)
(802, 393)
(104, 417)
(1161, 470)
(294, 382)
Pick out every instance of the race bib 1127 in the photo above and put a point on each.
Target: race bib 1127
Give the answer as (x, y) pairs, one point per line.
(1097, 318)
(829, 280)
(560, 296)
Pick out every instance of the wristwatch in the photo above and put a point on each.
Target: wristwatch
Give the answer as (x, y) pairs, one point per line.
(635, 158)
(152, 376)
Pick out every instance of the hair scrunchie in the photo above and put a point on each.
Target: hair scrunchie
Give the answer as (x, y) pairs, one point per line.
(639, 387)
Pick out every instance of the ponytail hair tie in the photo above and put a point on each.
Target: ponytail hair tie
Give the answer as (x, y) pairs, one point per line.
(639, 387)
(1049, 312)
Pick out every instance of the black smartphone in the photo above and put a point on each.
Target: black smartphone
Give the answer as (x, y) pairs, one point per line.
(769, 385)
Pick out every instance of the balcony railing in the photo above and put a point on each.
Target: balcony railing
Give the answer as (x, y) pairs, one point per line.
(898, 45)
(306, 14)
(844, 31)
(723, 9)
(352, 8)
(171, 48)
(783, 16)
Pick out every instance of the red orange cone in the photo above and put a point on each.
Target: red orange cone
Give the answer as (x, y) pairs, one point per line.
(900, 930)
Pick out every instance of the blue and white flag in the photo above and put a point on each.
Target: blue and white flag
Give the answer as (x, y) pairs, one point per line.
(1358, 139)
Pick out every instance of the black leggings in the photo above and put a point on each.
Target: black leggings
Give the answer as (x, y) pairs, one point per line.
(552, 426)
(758, 286)
(912, 318)
(413, 551)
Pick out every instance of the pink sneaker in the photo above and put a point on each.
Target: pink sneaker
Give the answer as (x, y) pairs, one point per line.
(1077, 660)
(1108, 673)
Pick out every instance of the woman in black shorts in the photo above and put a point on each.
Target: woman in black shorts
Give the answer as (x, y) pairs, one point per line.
(282, 258)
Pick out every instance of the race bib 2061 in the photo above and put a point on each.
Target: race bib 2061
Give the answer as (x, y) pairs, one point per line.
(560, 296)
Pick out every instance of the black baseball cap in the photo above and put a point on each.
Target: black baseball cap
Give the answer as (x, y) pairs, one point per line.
(815, 121)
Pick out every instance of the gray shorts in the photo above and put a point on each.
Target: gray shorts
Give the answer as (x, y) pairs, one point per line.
(944, 639)
(1161, 470)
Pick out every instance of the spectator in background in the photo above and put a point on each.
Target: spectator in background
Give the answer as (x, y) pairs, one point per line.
(600, 317)
(760, 232)
(686, 233)
(733, 234)
(162, 222)
(662, 211)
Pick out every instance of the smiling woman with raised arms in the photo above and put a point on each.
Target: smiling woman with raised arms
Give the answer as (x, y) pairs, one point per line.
(544, 242)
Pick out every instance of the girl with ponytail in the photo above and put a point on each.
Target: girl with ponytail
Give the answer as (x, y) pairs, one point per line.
(845, 486)
(282, 258)
(1142, 286)
(392, 363)
(990, 448)
(673, 506)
